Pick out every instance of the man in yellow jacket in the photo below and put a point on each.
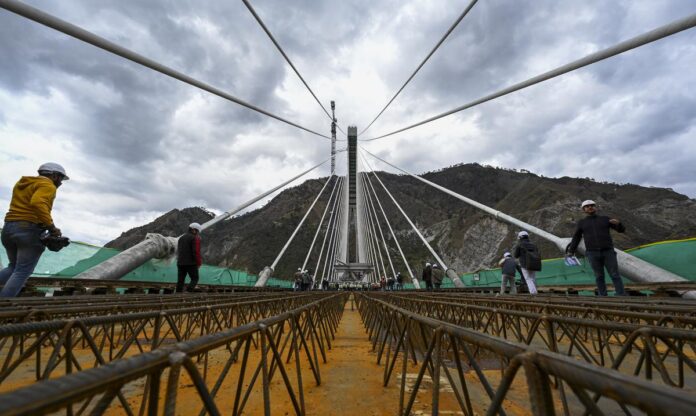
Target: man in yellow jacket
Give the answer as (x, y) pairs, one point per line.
(29, 215)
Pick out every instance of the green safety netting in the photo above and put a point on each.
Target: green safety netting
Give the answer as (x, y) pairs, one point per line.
(78, 257)
(677, 256)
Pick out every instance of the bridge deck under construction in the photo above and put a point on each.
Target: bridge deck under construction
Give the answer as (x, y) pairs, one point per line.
(324, 353)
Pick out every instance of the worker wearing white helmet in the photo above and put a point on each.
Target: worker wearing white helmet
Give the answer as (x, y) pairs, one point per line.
(529, 258)
(599, 246)
(508, 267)
(27, 218)
(188, 257)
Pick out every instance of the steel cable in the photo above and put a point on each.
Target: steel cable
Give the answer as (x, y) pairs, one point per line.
(445, 36)
(77, 32)
(640, 40)
(287, 59)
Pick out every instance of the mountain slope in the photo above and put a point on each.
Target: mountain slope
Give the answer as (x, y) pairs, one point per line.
(464, 237)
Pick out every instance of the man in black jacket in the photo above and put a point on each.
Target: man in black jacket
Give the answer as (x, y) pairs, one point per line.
(521, 250)
(599, 247)
(428, 276)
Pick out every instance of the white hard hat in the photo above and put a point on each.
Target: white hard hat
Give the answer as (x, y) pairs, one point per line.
(427, 264)
(195, 226)
(299, 269)
(435, 265)
(53, 167)
(522, 234)
(586, 203)
(507, 254)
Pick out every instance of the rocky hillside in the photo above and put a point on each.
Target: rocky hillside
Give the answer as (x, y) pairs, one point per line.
(465, 238)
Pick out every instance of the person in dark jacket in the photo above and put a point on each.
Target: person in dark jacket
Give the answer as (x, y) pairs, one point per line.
(508, 268)
(599, 247)
(399, 281)
(188, 258)
(522, 246)
(428, 276)
(438, 276)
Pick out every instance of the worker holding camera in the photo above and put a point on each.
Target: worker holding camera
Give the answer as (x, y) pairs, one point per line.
(29, 227)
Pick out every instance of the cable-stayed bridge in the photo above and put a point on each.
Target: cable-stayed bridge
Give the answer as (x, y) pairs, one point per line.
(275, 352)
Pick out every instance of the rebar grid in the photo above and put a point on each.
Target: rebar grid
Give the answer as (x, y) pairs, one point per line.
(282, 343)
(95, 306)
(632, 348)
(614, 309)
(461, 358)
(52, 348)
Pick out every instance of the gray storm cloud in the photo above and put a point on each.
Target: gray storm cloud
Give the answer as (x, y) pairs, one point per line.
(141, 143)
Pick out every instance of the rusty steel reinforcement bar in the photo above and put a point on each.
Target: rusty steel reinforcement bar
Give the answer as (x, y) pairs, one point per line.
(589, 305)
(632, 267)
(664, 319)
(91, 341)
(43, 301)
(624, 346)
(68, 286)
(281, 343)
(39, 312)
(158, 246)
(554, 383)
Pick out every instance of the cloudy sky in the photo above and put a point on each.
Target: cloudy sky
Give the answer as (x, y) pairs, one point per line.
(138, 143)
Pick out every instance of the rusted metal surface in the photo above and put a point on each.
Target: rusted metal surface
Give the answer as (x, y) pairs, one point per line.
(658, 351)
(555, 304)
(282, 342)
(555, 382)
(244, 352)
(63, 346)
(100, 286)
(75, 307)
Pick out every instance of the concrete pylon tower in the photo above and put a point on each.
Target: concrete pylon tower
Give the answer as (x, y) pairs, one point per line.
(333, 137)
(353, 261)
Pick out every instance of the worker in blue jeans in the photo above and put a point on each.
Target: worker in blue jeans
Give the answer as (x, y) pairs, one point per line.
(599, 247)
(29, 216)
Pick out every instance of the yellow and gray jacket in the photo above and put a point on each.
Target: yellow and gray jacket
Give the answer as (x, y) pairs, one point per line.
(32, 200)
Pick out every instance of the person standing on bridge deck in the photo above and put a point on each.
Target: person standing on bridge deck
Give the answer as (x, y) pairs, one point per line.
(530, 260)
(599, 247)
(428, 276)
(189, 259)
(306, 280)
(508, 268)
(399, 281)
(28, 217)
(438, 275)
(297, 284)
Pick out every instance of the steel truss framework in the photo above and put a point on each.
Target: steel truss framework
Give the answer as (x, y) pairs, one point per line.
(625, 309)
(57, 347)
(283, 342)
(457, 356)
(29, 310)
(619, 340)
